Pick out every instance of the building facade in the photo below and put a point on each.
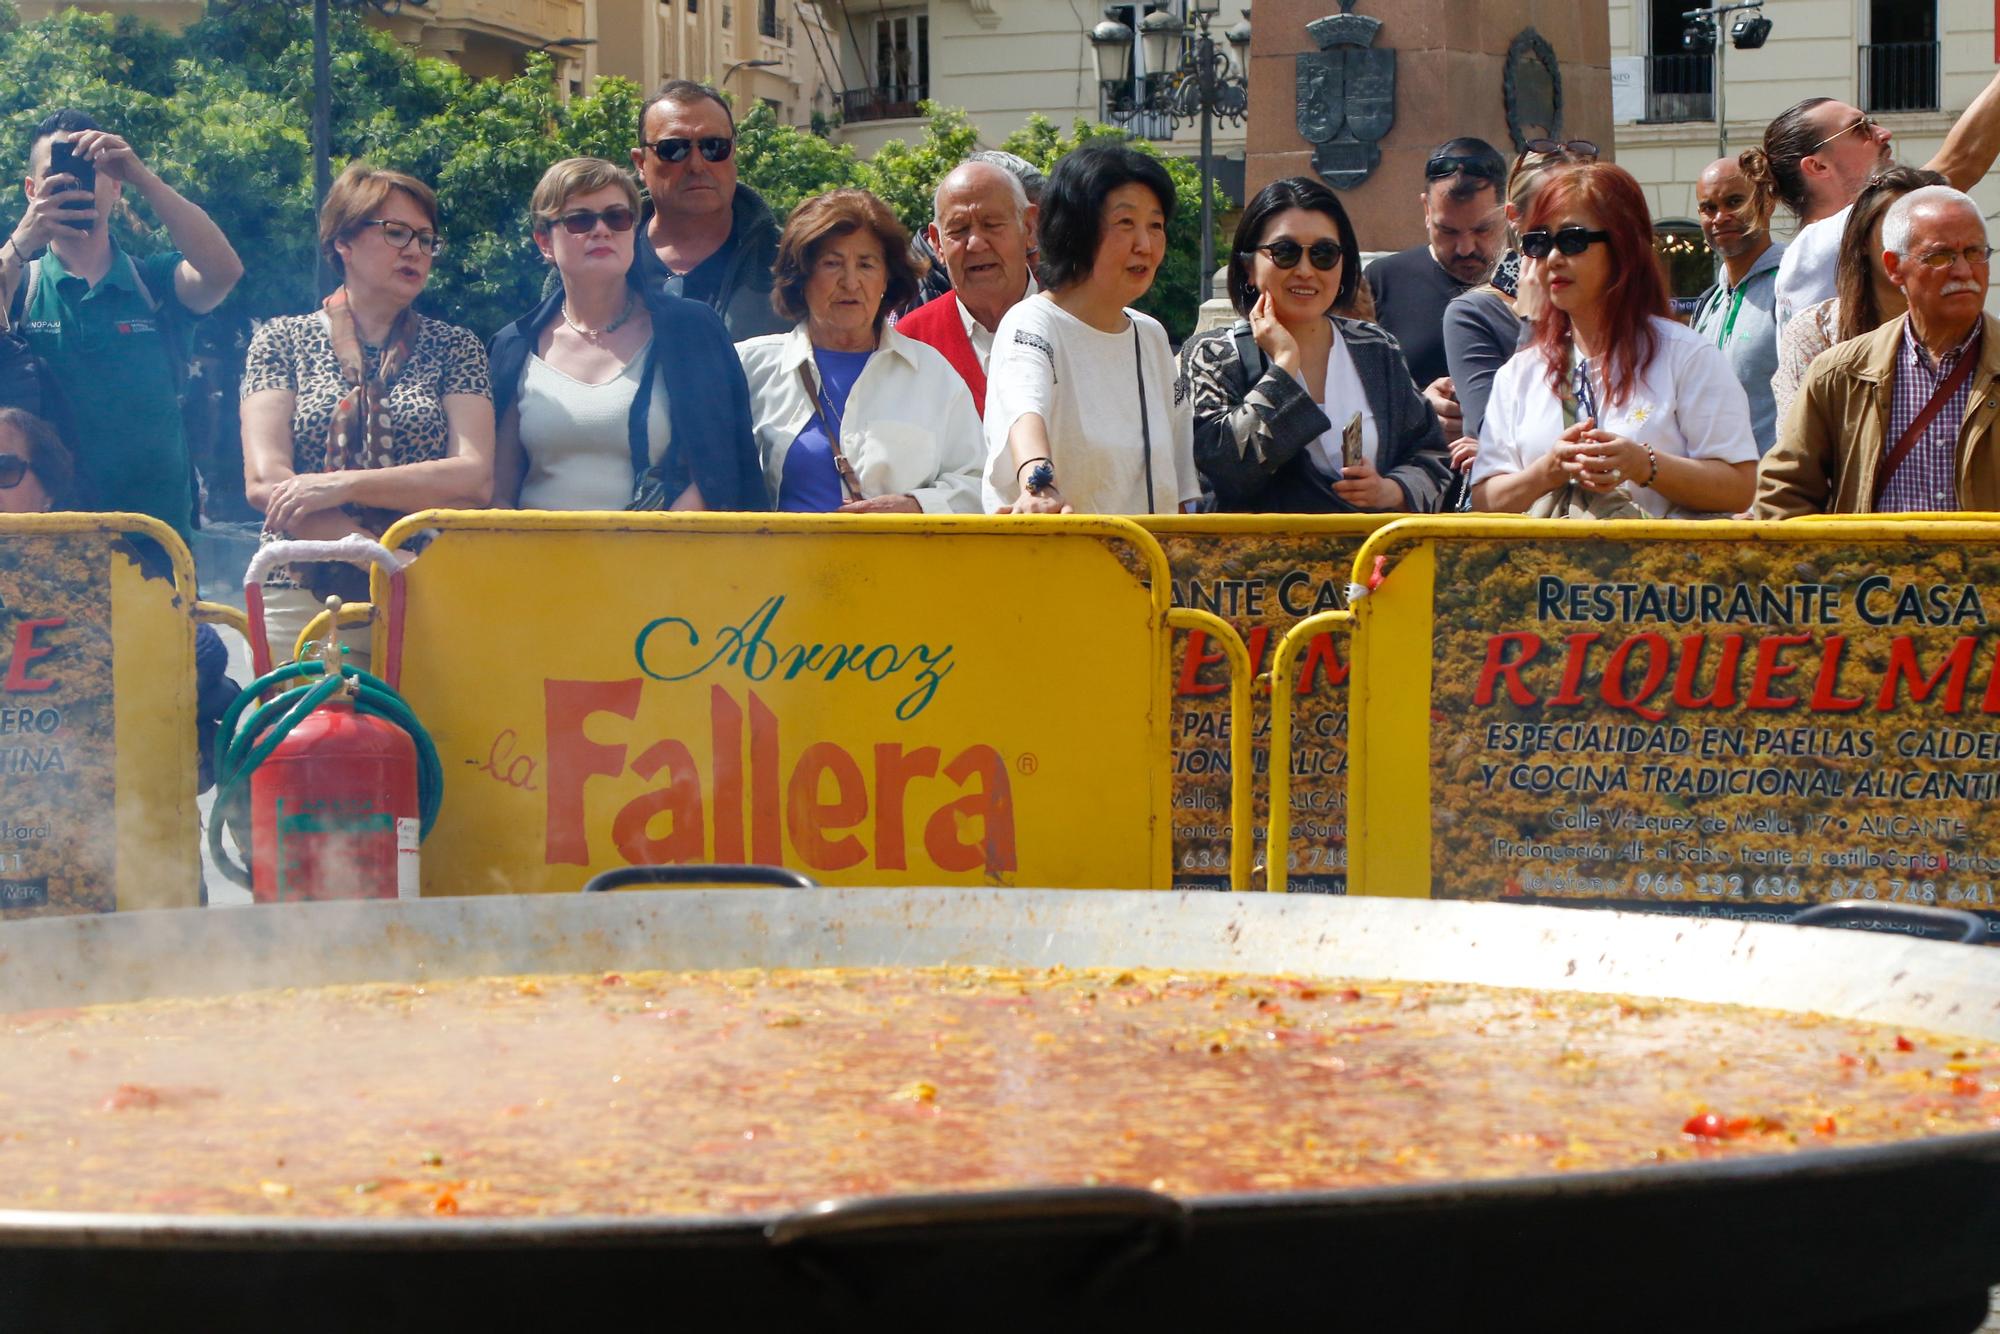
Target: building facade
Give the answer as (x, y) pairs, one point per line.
(1912, 64)
(1001, 60)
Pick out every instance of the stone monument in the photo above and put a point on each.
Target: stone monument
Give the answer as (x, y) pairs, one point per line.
(1362, 96)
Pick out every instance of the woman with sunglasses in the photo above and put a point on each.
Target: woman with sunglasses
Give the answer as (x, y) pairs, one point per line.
(610, 394)
(1297, 410)
(363, 411)
(37, 471)
(1638, 413)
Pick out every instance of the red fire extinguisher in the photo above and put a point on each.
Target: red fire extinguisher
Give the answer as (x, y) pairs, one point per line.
(342, 782)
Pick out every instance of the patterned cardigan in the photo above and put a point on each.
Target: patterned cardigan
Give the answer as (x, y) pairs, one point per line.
(1250, 440)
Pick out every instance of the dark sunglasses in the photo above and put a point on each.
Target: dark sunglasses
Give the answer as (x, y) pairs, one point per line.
(583, 221)
(1448, 164)
(1579, 148)
(12, 469)
(1286, 253)
(716, 149)
(1570, 240)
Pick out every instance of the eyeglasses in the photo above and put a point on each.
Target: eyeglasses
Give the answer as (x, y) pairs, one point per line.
(1286, 253)
(1974, 255)
(1450, 164)
(13, 468)
(1578, 148)
(1569, 240)
(400, 235)
(716, 149)
(583, 221)
(1866, 125)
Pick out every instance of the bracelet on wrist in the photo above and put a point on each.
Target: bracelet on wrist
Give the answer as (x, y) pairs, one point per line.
(1653, 465)
(1028, 463)
(1042, 478)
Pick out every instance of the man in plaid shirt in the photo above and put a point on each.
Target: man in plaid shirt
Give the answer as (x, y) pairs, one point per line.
(1930, 442)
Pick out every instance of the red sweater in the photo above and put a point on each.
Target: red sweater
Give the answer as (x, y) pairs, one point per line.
(937, 322)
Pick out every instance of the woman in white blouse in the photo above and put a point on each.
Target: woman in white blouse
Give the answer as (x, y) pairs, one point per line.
(851, 416)
(1085, 407)
(1610, 394)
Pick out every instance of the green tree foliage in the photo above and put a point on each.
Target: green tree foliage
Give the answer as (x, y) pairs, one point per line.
(223, 112)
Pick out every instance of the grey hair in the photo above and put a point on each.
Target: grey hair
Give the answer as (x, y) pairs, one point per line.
(1896, 223)
(998, 161)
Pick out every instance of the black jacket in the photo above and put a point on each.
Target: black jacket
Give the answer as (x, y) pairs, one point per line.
(744, 299)
(708, 402)
(1250, 438)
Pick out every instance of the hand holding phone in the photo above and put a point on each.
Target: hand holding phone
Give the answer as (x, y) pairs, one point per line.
(63, 161)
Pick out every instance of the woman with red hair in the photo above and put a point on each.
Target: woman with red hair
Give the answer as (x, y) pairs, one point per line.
(1613, 409)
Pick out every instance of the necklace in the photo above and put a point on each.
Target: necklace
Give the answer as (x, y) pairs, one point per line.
(631, 303)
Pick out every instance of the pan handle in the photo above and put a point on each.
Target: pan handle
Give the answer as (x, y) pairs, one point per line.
(739, 877)
(1955, 924)
(1143, 1223)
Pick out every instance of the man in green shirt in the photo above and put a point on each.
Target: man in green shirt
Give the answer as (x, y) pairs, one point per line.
(113, 332)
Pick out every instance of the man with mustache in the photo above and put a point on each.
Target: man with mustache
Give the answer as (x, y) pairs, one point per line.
(1903, 419)
(1737, 314)
(1817, 154)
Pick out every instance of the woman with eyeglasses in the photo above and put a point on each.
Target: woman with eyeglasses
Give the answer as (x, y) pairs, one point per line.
(363, 411)
(1613, 409)
(1297, 410)
(611, 395)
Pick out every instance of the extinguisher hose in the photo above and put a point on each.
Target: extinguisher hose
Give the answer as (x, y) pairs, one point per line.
(244, 742)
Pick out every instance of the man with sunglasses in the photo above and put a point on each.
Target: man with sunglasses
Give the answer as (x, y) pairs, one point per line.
(1816, 156)
(1904, 418)
(114, 332)
(1466, 226)
(707, 237)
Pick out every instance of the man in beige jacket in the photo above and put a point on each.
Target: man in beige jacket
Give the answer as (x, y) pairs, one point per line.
(1929, 381)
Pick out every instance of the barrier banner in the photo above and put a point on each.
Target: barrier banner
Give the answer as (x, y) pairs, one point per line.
(1262, 574)
(886, 701)
(1721, 719)
(97, 746)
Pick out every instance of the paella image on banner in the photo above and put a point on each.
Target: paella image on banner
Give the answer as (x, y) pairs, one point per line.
(58, 850)
(1262, 583)
(1737, 728)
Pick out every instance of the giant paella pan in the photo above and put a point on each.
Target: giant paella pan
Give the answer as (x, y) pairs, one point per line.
(977, 1107)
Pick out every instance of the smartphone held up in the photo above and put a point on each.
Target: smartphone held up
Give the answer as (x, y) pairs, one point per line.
(63, 161)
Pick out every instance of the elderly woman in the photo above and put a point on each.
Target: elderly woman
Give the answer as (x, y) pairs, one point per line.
(851, 416)
(608, 398)
(1613, 410)
(1083, 409)
(363, 411)
(1295, 409)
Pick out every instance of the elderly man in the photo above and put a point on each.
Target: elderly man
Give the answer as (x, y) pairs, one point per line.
(707, 238)
(1737, 314)
(1820, 152)
(1903, 419)
(982, 226)
(1466, 229)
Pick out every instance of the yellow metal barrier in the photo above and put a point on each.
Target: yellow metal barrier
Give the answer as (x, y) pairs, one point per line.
(1241, 815)
(1278, 836)
(1262, 573)
(97, 738)
(1721, 717)
(889, 700)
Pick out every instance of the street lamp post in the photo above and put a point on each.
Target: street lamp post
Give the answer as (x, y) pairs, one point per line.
(746, 64)
(1746, 35)
(1184, 81)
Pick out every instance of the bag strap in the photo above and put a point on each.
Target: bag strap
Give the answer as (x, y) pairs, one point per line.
(850, 481)
(1247, 351)
(1959, 375)
(1145, 417)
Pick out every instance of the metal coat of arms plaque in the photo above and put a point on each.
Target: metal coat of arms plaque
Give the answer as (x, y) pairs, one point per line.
(1346, 96)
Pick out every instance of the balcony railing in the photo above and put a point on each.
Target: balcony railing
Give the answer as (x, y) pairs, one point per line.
(1680, 87)
(898, 102)
(1899, 76)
